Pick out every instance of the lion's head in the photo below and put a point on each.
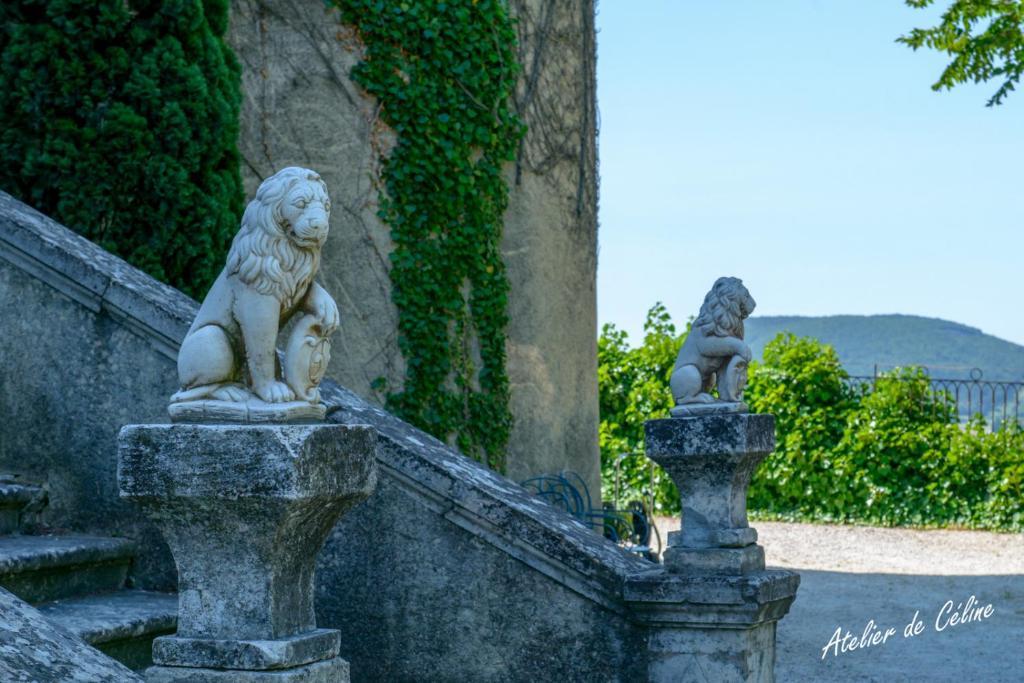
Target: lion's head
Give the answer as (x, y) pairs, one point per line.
(277, 248)
(724, 308)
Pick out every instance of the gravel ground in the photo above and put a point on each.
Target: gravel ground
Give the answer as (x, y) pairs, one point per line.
(852, 575)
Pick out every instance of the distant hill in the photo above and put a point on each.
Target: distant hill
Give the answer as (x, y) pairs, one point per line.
(946, 348)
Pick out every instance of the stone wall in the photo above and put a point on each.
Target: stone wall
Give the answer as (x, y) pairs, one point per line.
(89, 345)
(450, 572)
(550, 246)
(301, 108)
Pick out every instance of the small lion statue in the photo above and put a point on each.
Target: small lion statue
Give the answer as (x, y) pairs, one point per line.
(228, 363)
(714, 352)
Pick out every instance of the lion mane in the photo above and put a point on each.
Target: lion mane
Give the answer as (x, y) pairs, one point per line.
(724, 308)
(261, 254)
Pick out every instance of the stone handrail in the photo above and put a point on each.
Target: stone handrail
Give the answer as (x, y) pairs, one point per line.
(473, 497)
(93, 277)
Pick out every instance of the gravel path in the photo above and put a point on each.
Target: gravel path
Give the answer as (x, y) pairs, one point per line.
(851, 575)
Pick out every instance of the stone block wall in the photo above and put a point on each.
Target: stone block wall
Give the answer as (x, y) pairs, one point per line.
(452, 573)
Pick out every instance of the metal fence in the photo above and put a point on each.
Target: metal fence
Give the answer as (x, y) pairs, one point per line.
(998, 402)
(639, 507)
(617, 490)
(630, 525)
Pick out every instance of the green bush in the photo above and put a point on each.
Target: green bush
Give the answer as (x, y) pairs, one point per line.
(801, 383)
(895, 454)
(996, 462)
(633, 388)
(121, 121)
(888, 454)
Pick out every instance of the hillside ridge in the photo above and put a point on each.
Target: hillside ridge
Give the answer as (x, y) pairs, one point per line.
(946, 348)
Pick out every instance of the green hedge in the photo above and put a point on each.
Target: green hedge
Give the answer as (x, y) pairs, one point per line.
(891, 454)
(120, 120)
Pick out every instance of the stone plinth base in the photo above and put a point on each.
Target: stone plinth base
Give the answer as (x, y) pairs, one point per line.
(711, 611)
(714, 560)
(711, 628)
(329, 671)
(254, 655)
(711, 459)
(253, 411)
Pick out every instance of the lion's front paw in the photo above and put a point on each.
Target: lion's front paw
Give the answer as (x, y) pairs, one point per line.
(275, 392)
(327, 313)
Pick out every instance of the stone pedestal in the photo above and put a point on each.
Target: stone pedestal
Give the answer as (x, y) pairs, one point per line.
(711, 610)
(711, 459)
(245, 509)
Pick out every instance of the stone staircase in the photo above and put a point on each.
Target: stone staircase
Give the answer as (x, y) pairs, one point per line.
(79, 582)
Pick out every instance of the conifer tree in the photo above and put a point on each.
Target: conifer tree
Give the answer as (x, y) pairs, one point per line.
(120, 120)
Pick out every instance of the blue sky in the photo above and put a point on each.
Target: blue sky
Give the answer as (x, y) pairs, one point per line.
(794, 144)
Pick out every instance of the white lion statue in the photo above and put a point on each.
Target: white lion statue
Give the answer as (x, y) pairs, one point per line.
(228, 365)
(714, 352)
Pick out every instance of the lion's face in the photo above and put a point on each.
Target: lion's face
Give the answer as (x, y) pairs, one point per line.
(731, 294)
(747, 303)
(305, 214)
(277, 248)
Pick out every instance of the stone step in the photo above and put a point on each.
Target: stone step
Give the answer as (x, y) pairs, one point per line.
(44, 568)
(121, 624)
(15, 497)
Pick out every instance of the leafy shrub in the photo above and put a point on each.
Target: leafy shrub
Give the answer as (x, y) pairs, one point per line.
(801, 383)
(633, 388)
(121, 121)
(895, 453)
(996, 489)
(889, 454)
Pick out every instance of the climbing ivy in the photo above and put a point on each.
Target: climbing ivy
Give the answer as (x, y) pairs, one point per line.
(443, 74)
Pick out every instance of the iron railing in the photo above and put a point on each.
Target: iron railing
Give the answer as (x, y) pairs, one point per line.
(631, 526)
(998, 402)
(617, 490)
(639, 507)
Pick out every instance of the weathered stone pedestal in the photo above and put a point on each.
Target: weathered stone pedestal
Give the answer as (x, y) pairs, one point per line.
(712, 610)
(245, 510)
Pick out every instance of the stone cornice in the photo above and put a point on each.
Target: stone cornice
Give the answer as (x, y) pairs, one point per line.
(93, 277)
